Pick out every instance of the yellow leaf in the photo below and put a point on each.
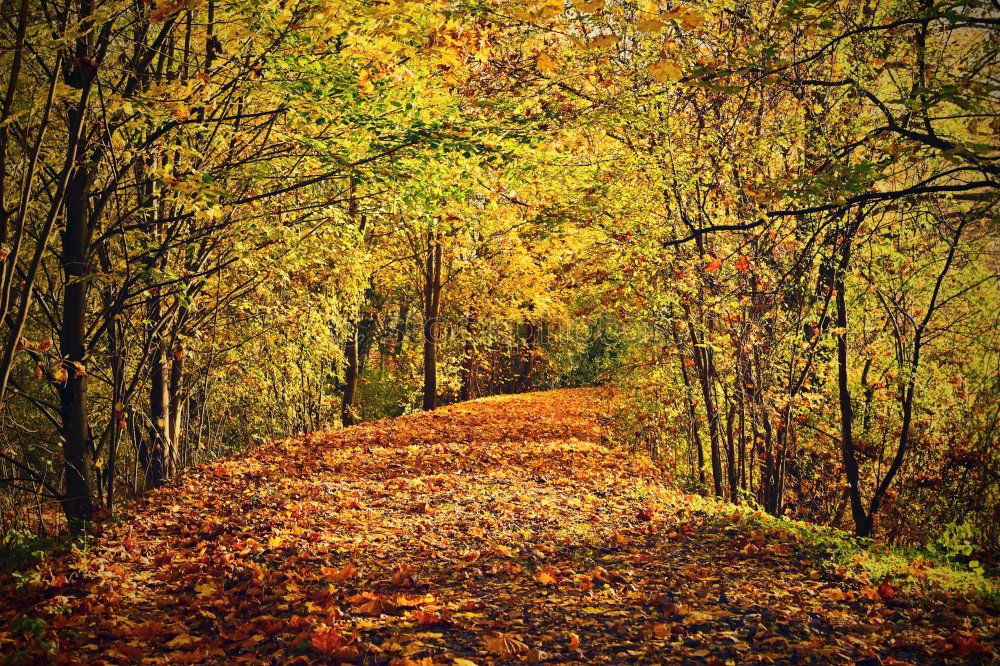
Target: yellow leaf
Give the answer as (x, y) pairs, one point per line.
(590, 6)
(649, 25)
(692, 20)
(688, 17)
(602, 42)
(208, 589)
(834, 594)
(545, 63)
(663, 71)
(182, 641)
(365, 85)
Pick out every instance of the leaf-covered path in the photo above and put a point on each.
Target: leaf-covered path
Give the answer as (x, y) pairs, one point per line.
(492, 531)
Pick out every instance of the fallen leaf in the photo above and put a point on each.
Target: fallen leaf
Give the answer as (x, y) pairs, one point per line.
(505, 646)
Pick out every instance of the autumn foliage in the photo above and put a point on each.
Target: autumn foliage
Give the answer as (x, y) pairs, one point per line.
(232, 231)
(494, 531)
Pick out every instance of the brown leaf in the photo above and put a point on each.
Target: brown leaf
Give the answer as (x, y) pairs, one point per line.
(505, 646)
(404, 576)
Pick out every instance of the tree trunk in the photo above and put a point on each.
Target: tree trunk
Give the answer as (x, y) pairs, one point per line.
(734, 491)
(432, 306)
(350, 378)
(116, 353)
(175, 408)
(862, 521)
(703, 363)
(78, 502)
(689, 399)
(160, 453)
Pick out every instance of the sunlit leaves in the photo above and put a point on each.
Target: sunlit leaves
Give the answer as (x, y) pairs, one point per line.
(545, 63)
(664, 71)
(588, 6)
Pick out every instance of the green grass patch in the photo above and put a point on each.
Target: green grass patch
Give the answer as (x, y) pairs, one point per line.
(942, 566)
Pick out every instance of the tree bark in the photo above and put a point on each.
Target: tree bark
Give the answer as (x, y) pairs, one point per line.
(350, 378)
(432, 306)
(689, 400)
(862, 521)
(160, 449)
(78, 501)
(175, 404)
(703, 363)
(528, 360)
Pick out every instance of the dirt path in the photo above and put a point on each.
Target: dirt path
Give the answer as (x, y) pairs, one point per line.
(493, 531)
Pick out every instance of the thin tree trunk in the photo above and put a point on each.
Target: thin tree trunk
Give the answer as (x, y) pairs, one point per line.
(689, 399)
(160, 457)
(731, 469)
(175, 394)
(528, 361)
(78, 502)
(115, 351)
(432, 304)
(347, 416)
(703, 364)
(862, 521)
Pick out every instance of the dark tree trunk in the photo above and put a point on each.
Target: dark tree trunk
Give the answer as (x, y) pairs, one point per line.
(432, 307)
(862, 521)
(117, 412)
(703, 363)
(692, 412)
(160, 449)
(78, 502)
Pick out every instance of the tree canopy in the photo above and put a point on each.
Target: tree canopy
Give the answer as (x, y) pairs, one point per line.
(772, 224)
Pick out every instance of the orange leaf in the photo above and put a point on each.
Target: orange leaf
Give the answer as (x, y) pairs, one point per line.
(713, 266)
(328, 641)
(339, 575)
(545, 63)
(547, 575)
(378, 606)
(404, 575)
(428, 618)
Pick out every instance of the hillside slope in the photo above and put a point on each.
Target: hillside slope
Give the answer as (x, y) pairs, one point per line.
(491, 531)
